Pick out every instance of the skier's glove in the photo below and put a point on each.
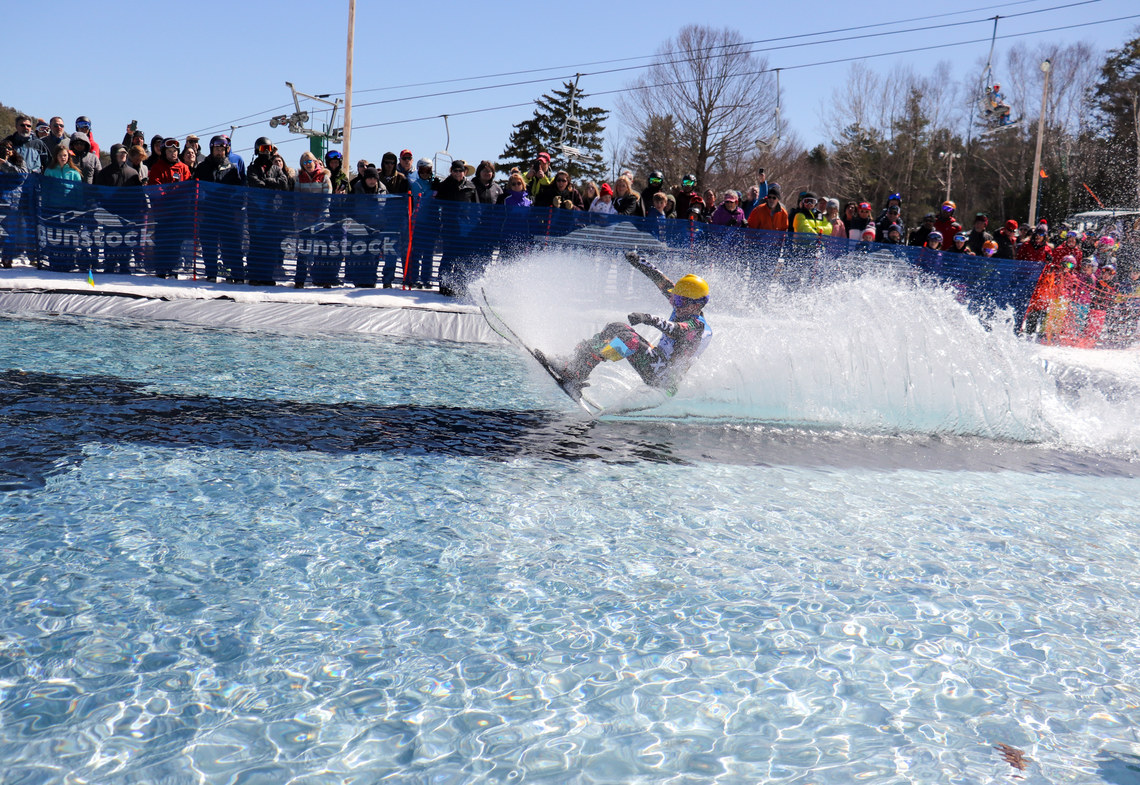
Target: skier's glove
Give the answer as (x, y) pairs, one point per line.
(639, 318)
(632, 257)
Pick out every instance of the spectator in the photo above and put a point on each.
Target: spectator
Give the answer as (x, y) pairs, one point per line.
(1007, 240)
(334, 165)
(136, 155)
(1082, 285)
(265, 255)
(589, 193)
(170, 169)
(83, 126)
(406, 166)
(221, 239)
(538, 175)
(155, 150)
(369, 182)
(860, 222)
(697, 209)
(684, 193)
(517, 195)
(1069, 247)
(959, 245)
(361, 165)
(770, 216)
(709, 197)
(978, 235)
(892, 214)
(189, 156)
(919, 236)
(193, 143)
(10, 160)
(838, 228)
(559, 194)
(947, 219)
(425, 227)
(57, 135)
(311, 179)
(894, 235)
(728, 213)
(456, 243)
(933, 240)
(42, 129)
(670, 205)
(654, 183)
(626, 201)
(807, 220)
(604, 204)
(31, 149)
(1049, 284)
(487, 191)
(751, 200)
(217, 166)
(290, 172)
(394, 182)
(133, 136)
(118, 172)
(660, 208)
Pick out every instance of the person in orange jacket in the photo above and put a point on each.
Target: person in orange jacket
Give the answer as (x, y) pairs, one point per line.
(771, 215)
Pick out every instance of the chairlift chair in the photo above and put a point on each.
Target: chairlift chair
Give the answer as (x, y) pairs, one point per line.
(444, 156)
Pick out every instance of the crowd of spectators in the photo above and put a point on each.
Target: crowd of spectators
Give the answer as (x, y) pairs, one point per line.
(1080, 297)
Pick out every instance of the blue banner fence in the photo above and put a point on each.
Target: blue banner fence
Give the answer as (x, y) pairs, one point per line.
(206, 230)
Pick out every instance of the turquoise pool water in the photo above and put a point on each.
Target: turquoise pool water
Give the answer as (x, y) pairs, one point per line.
(238, 557)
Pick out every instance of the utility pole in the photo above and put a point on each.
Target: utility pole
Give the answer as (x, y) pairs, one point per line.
(949, 169)
(348, 86)
(1047, 67)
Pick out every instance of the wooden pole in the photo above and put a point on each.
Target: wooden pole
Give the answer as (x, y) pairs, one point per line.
(1047, 67)
(348, 87)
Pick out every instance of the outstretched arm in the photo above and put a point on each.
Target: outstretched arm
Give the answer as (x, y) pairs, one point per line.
(651, 272)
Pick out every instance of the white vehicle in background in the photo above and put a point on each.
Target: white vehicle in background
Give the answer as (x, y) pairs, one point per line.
(1102, 221)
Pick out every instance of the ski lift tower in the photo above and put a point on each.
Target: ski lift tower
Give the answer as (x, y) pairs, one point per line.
(296, 123)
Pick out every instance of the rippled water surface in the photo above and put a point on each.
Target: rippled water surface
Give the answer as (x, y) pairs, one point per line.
(244, 558)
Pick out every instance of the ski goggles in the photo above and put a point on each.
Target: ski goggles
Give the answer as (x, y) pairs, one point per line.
(655, 181)
(680, 302)
(84, 127)
(264, 149)
(332, 155)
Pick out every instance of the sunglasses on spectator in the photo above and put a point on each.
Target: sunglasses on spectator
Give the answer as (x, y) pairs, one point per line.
(518, 183)
(25, 125)
(771, 196)
(561, 180)
(405, 157)
(307, 163)
(57, 125)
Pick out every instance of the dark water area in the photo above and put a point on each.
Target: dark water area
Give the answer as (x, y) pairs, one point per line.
(47, 418)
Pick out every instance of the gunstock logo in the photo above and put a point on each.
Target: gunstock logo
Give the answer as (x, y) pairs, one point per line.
(78, 233)
(383, 244)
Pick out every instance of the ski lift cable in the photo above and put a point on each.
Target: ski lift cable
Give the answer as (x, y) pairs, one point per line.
(818, 63)
(924, 18)
(843, 39)
(734, 50)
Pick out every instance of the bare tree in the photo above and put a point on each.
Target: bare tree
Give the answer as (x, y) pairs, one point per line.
(720, 96)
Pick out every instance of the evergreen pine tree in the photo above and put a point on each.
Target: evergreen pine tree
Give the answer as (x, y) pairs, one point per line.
(545, 128)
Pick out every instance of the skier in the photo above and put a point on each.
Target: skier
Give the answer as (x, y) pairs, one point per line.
(685, 334)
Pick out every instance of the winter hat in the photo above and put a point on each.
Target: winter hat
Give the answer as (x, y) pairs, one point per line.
(869, 233)
(1011, 225)
(606, 190)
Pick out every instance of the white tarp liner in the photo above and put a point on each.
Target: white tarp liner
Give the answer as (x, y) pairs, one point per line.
(412, 314)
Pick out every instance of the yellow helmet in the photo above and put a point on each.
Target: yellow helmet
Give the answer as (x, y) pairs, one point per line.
(691, 287)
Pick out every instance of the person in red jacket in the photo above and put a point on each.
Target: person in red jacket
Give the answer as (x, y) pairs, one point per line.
(945, 223)
(1069, 247)
(1036, 249)
(169, 230)
(169, 168)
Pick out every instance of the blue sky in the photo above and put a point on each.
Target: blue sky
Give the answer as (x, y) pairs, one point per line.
(182, 68)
